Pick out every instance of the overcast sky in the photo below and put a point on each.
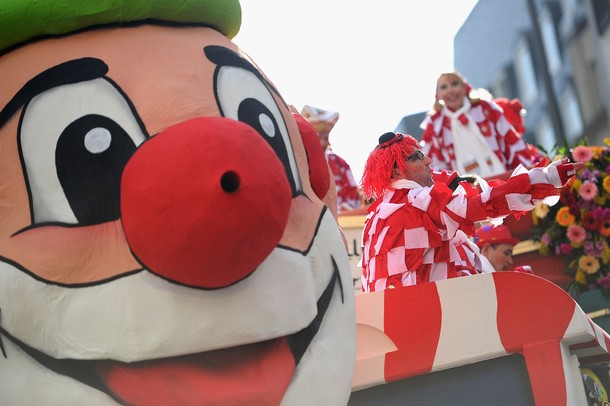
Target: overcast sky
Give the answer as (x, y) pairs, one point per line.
(373, 62)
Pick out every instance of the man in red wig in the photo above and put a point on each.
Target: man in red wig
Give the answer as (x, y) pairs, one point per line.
(407, 237)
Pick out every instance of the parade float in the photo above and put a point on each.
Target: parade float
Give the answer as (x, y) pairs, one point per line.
(169, 236)
(511, 337)
(516, 338)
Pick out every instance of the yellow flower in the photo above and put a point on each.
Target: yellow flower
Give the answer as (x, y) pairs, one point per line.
(564, 217)
(576, 184)
(597, 151)
(606, 254)
(580, 277)
(588, 264)
(606, 184)
(607, 141)
(535, 219)
(541, 209)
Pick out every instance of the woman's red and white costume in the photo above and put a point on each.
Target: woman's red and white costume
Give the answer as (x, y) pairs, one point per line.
(476, 139)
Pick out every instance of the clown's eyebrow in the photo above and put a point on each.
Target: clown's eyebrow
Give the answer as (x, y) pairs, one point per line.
(78, 70)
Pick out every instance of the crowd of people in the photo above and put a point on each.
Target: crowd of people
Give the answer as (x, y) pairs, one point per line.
(436, 209)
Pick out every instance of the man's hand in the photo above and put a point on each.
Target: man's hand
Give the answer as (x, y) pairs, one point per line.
(566, 170)
(557, 173)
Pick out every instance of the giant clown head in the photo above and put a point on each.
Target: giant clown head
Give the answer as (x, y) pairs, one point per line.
(167, 234)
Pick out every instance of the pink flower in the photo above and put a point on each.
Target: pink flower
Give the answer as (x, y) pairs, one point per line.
(582, 154)
(588, 190)
(604, 282)
(576, 234)
(546, 239)
(565, 249)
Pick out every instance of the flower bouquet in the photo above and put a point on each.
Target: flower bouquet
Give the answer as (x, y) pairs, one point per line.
(578, 226)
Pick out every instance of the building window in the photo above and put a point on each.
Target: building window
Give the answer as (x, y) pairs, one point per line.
(504, 84)
(570, 112)
(500, 86)
(569, 6)
(601, 9)
(549, 39)
(545, 136)
(524, 69)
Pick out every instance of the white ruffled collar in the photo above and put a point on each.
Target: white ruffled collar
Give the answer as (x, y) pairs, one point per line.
(405, 184)
(462, 110)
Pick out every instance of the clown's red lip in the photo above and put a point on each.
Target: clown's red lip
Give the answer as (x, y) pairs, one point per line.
(260, 371)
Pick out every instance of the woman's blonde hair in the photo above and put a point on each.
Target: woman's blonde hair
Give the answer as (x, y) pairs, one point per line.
(438, 106)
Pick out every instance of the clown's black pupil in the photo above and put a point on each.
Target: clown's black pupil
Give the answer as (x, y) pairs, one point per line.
(90, 157)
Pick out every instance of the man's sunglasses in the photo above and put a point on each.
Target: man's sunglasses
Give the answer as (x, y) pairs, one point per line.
(416, 156)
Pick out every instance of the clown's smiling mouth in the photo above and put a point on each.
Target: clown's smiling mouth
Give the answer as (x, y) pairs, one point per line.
(260, 370)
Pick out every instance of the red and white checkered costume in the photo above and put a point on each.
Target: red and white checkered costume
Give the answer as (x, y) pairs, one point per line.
(407, 236)
(500, 136)
(348, 195)
(471, 259)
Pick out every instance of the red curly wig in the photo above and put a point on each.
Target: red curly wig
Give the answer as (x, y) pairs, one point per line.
(390, 153)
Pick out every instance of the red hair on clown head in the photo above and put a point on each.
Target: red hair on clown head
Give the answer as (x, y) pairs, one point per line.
(391, 152)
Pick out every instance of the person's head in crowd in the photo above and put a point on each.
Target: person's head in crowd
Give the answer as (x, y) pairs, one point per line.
(496, 244)
(451, 89)
(397, 156)
(322, 121)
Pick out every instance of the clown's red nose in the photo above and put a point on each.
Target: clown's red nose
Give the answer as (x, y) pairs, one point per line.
(204, 202)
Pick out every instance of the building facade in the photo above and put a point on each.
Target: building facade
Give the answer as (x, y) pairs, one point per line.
(554, 55)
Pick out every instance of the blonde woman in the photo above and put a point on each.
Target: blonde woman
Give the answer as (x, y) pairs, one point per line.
(470, 135)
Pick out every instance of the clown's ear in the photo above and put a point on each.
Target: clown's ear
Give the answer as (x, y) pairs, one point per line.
(318, 167)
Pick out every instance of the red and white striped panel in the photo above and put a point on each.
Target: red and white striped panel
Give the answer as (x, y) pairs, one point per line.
(429, 327)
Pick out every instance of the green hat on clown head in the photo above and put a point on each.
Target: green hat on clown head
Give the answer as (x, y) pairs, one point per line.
(25, 20)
